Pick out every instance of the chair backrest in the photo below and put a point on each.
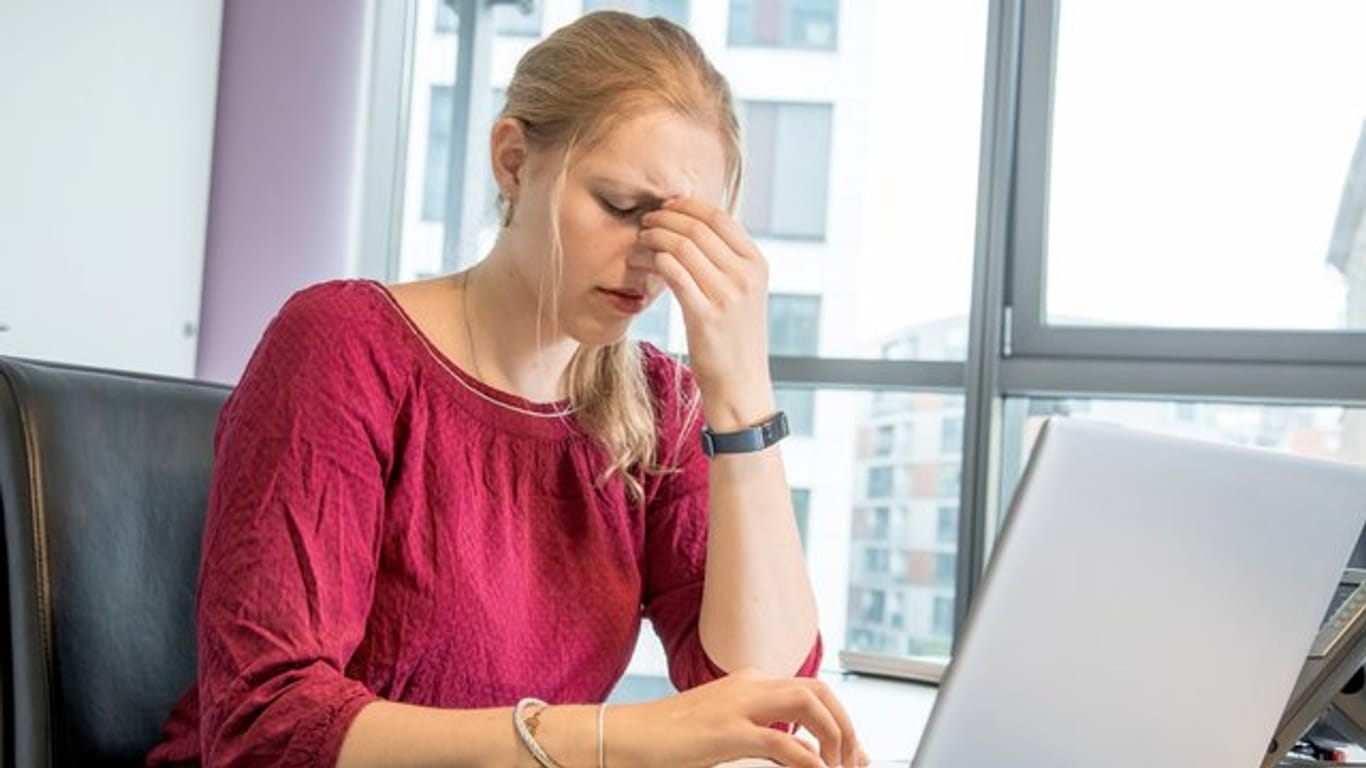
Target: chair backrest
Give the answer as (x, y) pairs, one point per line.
(104, 478)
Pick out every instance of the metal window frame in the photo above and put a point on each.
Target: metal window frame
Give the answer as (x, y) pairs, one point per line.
(1031, 334)
(1012, 353)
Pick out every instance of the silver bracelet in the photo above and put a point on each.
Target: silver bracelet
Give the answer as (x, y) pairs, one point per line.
(519, 721)
(602, 754)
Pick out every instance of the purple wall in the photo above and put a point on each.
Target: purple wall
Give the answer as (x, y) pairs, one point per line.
(280, 202)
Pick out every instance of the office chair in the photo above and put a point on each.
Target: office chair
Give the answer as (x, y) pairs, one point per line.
(104, 478)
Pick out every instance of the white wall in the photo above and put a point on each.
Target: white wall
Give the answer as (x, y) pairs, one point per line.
(106, 133)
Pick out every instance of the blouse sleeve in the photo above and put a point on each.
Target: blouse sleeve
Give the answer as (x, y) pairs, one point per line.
(676, 536)
(291, 543)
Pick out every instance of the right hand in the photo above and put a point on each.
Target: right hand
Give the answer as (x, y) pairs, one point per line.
(729, 718)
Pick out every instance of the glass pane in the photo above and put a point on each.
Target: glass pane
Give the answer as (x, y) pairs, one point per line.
(904, 526)
(788, 150)
(509, 19)
(1328, 432)
(427, 167)
(436, 168)
(784, 23)
(852, 196)
(673, 10)
(1209, 166)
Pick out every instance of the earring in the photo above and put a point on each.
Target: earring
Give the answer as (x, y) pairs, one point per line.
(504, 209)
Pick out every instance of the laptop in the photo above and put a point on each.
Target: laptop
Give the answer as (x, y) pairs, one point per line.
(1150, 602)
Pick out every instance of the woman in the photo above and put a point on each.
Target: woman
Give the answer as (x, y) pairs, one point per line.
(438, 506)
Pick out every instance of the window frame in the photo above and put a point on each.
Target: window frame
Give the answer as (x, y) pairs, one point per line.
(1011, 352)
(731, 42)
(1032, 336)
(778, 105)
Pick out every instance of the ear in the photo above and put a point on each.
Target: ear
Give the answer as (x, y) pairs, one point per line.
(508, 150)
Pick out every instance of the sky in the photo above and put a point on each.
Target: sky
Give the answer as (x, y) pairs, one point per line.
(1199, 152)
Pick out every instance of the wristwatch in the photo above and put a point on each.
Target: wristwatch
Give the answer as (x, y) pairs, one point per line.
(756, 438)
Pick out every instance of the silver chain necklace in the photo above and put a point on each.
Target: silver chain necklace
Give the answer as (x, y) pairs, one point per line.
(474, 358)
(465, 310)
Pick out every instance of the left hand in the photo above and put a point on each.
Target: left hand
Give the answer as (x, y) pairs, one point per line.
(721, 282)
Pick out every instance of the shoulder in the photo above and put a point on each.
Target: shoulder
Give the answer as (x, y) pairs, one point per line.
(338, 327)
(330, 303)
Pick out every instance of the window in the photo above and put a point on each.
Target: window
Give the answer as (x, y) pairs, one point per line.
(951, 436)
(875, 560)
(883, 440)
(1239, 169)
(794, 324)
(787, 152)
(945, 570)
(1322, 432)
(949, 478)
(794, 329)
(875, 606)
(882, 521)
(900, 232)
(946, 532)
(447, 21)
(943, 617)
(508, 19)
(438, 153)
(1117, 280)
(673, 10)
(784, 23)
(879, 482)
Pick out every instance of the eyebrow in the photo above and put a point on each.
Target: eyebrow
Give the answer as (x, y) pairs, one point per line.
(630, 190)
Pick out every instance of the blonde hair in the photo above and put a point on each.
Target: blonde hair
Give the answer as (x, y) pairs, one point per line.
(568, 92)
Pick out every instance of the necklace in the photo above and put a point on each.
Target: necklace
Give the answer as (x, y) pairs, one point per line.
(465, 310)
(474, 358)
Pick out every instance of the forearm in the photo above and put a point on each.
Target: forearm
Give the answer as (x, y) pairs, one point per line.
(758, 609)
(406, 736)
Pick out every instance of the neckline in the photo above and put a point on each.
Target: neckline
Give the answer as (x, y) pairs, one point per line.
(516, 403)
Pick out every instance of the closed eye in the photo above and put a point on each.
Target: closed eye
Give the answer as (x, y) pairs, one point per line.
(621, 213)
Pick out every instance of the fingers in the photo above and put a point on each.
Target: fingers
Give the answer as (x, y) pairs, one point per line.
(703, 270)
(718, 221)
(848, 740)
(708, 242)
(812, 713)
(675, 275)
(787, 749)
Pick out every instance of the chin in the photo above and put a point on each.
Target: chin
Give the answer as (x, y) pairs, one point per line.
(599, 335)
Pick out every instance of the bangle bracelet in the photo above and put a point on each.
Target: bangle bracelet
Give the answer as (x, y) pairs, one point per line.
(602, 754)
(525, 733)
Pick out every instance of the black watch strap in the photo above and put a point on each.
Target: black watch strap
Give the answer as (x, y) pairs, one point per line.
(756, 438)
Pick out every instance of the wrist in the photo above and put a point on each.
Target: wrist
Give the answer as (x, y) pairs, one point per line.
(568, 734)
(731, 412)
(622, 728)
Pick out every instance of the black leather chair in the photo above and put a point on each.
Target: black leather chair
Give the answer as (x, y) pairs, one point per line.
(104, 478)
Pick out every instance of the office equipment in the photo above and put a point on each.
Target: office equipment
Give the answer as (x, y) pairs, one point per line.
(1152, 600)
(1330, 685)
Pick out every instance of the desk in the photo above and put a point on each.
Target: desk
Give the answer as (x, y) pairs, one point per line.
(889, 715)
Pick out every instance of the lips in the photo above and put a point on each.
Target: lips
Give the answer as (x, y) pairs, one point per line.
(626, 302)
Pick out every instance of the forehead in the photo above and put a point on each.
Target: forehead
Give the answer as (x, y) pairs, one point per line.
(662, 152)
